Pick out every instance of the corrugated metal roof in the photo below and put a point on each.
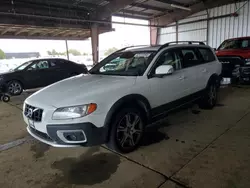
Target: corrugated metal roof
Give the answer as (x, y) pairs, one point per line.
(72, 19)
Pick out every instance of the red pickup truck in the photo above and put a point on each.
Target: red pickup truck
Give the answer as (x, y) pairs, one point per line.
(234, 54)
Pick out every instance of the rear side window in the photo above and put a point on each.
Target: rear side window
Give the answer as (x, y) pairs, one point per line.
(207, 54)
(190, 58)
(56, 62)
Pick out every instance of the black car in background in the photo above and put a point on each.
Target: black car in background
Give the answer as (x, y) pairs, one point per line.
(39, 73)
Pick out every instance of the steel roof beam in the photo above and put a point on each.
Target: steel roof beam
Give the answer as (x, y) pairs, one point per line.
(171, 2)
(136, 12)
(6, 30)
(145, 6)
(106, 11)
(178, 14)
(130, 16)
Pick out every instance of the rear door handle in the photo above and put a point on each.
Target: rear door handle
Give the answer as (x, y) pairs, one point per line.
(203, 70)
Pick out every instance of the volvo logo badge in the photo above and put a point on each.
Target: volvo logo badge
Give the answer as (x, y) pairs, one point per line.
(29, 113)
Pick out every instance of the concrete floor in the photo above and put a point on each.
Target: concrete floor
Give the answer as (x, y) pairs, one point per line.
(192, 148)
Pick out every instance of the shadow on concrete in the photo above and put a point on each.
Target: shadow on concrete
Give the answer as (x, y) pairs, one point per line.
(153, 133)
(39, 149)
(153, 137)
(90, 168)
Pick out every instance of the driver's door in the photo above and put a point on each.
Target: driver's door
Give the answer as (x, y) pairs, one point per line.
(167, 90)
(36, 74)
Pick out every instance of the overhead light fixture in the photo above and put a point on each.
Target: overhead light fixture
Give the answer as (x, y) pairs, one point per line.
(180, 7)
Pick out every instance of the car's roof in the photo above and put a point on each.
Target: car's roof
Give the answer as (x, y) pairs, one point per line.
(42, 58)
(157, 47)
(239, 38)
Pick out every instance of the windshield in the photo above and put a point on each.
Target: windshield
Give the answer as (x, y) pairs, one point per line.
(124, 64)
(23, 66)
(235, 44)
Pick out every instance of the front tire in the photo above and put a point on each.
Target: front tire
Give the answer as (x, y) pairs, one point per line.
(5, 98)
(14, 88)
(127, 130)
(209, 100)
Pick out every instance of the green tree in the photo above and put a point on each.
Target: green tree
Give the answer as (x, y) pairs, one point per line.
(2, 54)
(110, 51)
(49, 52)
(54, 52)
(74, 52)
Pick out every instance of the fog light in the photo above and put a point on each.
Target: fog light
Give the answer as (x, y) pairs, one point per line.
(71, 137)
(74, 136)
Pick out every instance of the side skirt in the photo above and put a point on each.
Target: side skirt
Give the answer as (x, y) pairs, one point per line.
(160, 112)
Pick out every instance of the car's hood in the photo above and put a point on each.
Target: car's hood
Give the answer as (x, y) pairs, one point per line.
(244, 53)
(8, 73)
(79, 88)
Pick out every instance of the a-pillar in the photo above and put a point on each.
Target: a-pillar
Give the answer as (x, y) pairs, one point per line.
(95, 42)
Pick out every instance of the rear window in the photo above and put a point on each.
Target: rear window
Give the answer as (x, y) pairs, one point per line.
(207, 54)
(235, 44)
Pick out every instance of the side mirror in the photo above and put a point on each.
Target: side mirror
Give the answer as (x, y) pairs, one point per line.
(164, 70)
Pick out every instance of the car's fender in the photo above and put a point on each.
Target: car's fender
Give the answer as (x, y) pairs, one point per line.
(137, 100)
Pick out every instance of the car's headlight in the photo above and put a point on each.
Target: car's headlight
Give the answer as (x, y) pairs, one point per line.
(247, 61)
(73, 112)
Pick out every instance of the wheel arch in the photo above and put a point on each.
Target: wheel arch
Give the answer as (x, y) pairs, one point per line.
(17, 80)
(214, 78)
(129, 100)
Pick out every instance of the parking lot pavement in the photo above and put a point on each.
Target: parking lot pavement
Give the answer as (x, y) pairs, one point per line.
(18, 100)
(189, 132)
(192, 148)
(11, 125)
(37, 165)
(225, 163)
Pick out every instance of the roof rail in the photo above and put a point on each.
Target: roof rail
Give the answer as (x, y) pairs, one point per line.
(131, 47)
(177, 42)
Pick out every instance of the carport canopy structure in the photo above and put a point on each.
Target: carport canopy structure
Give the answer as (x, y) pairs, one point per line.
(81, 19)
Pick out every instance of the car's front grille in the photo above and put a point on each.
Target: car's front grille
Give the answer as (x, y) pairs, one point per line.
(40, 134)
(33, 113)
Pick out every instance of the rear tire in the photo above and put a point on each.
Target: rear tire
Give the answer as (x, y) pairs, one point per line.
(209, 100)
(14, 88)
(127, 130)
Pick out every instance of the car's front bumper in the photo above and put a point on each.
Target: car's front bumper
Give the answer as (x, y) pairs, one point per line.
(244, 74)
(70, 135)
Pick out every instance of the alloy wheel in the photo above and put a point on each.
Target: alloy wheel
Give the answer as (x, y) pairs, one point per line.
(129, 130)
(14, 88)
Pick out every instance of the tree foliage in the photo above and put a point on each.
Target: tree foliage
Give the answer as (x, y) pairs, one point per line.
(2, 54)
(74, 52)
(110, 51)
(71, 51)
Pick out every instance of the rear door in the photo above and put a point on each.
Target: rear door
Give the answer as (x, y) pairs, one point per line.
(37, 74)
(194, 69)
(209, 65)
(59, 70)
